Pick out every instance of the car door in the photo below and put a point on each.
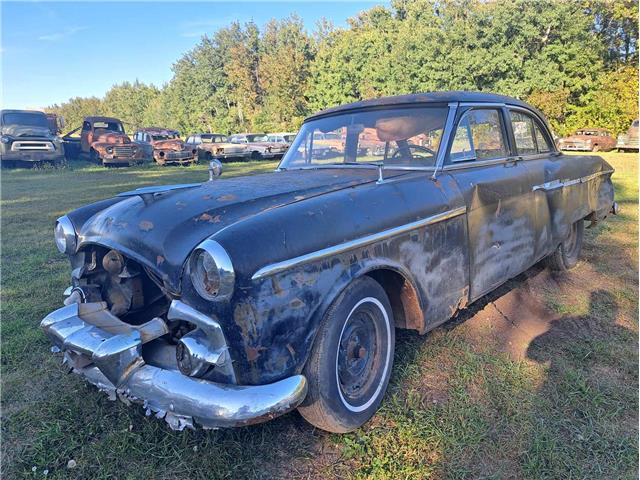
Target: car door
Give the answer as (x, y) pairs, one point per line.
(86, 137)
(495, 187)
(534, 145)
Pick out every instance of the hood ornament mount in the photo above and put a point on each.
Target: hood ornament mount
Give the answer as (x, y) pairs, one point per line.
(215, 169)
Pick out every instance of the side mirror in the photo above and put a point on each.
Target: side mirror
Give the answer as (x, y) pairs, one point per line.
(215, 169)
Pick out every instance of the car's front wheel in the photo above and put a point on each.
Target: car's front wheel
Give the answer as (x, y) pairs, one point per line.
(351, 360)
(566, 255)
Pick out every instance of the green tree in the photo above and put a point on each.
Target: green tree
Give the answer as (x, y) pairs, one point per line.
(129, 102)
(75, 109)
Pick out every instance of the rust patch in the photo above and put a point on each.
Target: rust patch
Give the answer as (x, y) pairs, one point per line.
(159, 260)
(291, 351)
(253, 352)
(296, 303)
(205, 217)
(145, 225)
(207, 197)
(226, 198)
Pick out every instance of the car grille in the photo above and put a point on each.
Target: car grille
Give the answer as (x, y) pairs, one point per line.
(178, 155)
(32, 146)
(123, 150)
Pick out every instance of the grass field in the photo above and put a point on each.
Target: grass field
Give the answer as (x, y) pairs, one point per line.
(540, 380)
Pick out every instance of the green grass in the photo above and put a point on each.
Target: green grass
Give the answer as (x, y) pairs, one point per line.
(459, 403)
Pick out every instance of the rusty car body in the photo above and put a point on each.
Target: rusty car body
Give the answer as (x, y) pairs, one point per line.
(588, 140)
(628, 142)
(165, 146)
(232, 301)
(103, 140)
(218, 146)
(26, 139)
(259, 146)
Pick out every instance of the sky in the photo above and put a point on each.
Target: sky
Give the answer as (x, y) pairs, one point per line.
(52, 51)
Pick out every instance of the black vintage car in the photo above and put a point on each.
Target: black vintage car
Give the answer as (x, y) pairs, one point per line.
(233, 301)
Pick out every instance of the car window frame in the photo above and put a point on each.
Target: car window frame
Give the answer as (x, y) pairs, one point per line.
(537, 121)
(460, 116)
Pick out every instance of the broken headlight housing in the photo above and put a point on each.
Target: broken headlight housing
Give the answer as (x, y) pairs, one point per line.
(211, 271)
(65, 235)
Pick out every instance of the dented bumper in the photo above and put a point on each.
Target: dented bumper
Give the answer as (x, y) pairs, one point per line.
(108, 353)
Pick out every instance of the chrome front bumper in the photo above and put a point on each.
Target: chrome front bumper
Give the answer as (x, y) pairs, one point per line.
(108, 353)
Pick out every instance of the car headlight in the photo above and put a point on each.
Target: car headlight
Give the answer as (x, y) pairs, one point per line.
(109, 150)
(211, 271)
(5, 139)
(65, 235)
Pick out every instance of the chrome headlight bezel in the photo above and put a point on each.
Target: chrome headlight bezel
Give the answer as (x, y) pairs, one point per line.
(219, 264)
(65, 235)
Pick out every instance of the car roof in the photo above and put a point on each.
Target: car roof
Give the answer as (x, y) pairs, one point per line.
(427, 97)
(101, 119)
(2, 112)
(157, 130)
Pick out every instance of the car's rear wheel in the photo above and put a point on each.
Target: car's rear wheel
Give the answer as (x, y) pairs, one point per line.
(351, 360)
(566, 255)
(255, 155)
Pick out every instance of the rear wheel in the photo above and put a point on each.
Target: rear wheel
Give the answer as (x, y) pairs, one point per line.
(351, 360)
(255, 155)
(566, 255)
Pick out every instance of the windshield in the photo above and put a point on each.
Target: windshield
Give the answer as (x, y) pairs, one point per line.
(257, 138)
(165, 136)
(407, 137)
(213, 138)
(25, 119)
(111, 126)
(588, 132)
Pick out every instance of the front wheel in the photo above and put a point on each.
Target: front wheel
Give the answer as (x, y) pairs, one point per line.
(351, 360)
(566, 255)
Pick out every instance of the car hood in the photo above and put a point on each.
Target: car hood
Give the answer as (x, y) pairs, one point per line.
(578, 138)
(175, 144)
(26, 131)
(161, 229)
(226, 146)
(105, 136)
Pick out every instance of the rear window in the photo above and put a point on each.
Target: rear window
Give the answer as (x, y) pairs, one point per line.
(26, 119)
(111, 126)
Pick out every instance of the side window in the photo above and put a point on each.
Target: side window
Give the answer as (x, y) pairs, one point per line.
(479, 136)
(147, 138)
(523, 133)
(541, 140)
(86, 126)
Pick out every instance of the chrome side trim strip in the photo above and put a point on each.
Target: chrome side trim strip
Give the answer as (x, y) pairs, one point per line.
(359, 242)
(555, 184)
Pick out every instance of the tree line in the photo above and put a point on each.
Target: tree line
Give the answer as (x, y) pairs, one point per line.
(575, 60)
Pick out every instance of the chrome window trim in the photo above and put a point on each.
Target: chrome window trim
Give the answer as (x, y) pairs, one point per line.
(555, 184)
(444, 147)
(543, 124)
(278, 267)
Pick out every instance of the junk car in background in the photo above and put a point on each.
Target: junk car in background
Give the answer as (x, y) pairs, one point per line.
(165, 146)
(26, 139)
(628, 142)
(232, 301)
(588, 140)
(103, 140)
(284, 138)
(258, 145)
(216, 145)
